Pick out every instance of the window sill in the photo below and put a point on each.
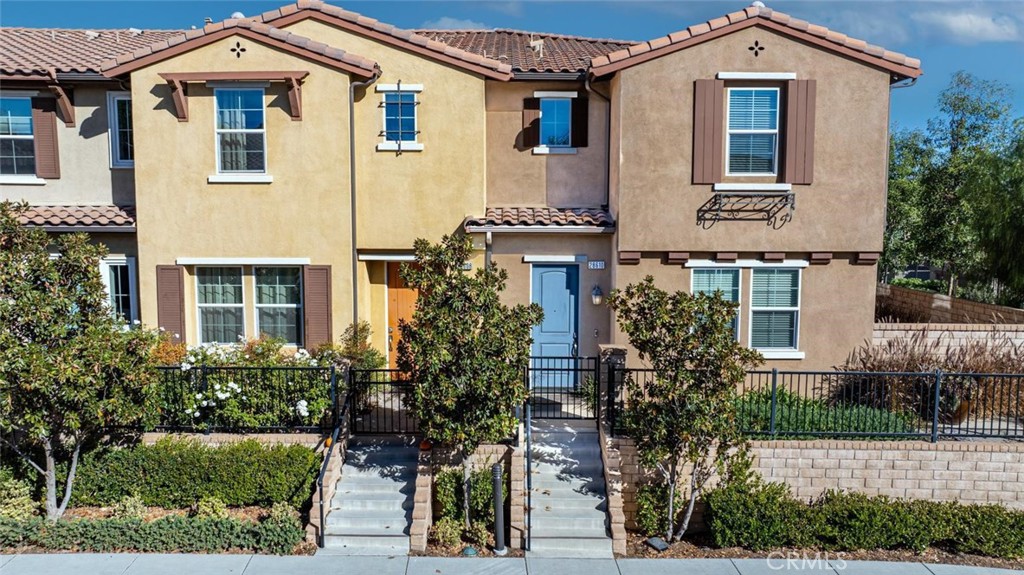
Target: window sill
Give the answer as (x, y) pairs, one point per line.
(122, 166)
(22, 180)
(752, 187)
(781, 354)
(240, 179)
(393, 147)
(546, 151)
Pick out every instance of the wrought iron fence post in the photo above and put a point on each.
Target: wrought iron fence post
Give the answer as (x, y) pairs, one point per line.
(597, 391)
(334, 398)
(775, 401)
(935, 406)
(202, 389)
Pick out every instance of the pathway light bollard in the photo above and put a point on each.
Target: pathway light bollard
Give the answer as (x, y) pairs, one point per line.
(499, 512)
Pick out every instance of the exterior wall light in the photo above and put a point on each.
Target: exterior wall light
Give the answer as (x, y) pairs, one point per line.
(596, 295)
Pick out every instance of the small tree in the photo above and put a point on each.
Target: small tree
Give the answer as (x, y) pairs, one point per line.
(684, 420)
(68, 368)
(465, 350)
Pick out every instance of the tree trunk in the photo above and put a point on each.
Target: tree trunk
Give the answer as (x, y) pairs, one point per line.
(466, 480)
(689, 506)
(70, 480)
(52, 512)
(671, 502)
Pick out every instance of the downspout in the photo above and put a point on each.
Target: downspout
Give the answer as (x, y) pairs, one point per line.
(888, 146)
(352, 185)
(487, 250)
(607, 139)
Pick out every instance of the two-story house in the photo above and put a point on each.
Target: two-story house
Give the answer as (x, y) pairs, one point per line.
(272, 172)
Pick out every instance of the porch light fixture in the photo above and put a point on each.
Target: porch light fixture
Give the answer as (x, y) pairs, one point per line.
(596, 295)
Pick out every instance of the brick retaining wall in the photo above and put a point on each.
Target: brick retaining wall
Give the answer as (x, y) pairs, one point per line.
(955, 334)
(933, 307)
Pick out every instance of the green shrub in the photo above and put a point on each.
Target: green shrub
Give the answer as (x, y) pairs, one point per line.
(588, 392)
(175, 474)
(448, 494)
(934, 286)
(447, 531)
(165, 535)
(652, 508)
(130, 507)
(15, 497)
(478, 534)
(211, 508)
(795, 414)
(756, 515)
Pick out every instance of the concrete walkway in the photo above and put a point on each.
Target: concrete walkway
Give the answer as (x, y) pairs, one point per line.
(144, 564)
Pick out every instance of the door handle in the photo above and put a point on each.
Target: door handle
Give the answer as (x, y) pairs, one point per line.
(575, 344)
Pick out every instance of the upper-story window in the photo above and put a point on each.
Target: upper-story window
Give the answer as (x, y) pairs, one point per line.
(17, 146)
(241, 131)
(556, 122)
(775, 309)
(399, 103)
(725, 281)
(119, 114)
(752, 138)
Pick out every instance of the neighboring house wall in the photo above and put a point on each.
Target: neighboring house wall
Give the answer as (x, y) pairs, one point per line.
(933, 307)
(304, 213)
(516, 176)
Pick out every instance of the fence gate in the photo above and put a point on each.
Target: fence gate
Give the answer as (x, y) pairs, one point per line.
(563, 387)
(379, 402)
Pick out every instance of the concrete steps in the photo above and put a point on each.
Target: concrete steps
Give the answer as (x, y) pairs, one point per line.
(568, 500)
(371, 511)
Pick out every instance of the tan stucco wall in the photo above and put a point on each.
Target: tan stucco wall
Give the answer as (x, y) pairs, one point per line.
(86, 177)
(517, 177)
(508, 252)
(303, 213)
(416, 194)
(843, 210)
(835, 317)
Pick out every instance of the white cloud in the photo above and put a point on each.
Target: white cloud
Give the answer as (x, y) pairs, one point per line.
(880, 26)
(511, 8)
(965, 27)
(449, 23)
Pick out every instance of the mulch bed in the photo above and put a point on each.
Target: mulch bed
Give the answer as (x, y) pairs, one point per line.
(436, 550)
(698, 546)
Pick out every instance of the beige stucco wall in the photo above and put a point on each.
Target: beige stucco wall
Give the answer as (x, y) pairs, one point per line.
(86, 177)
(517, 177)
(843, 210)
(835, 307)
(416, 194)
(304, 213)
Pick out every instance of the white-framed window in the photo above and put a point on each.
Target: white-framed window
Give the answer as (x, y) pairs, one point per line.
(556, 122)
(17, 145)
(724, 280)
(220, 304)
(400, 123)
(240, 131)
(279, 303)
(119, 120)
(118, 274)
(752, 135)
(775, 309)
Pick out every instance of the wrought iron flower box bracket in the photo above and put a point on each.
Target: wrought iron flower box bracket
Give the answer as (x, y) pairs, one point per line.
(774, 208)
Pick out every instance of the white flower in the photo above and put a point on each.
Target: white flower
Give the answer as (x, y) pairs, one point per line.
(199, 396)
(216, 386)
(301, 354)
(136, 322)
(176, 336)
(302, 408)
(196, 414)
(204, 403)
(185, 366)
(223, 395)
(312, 362)
(188, 411)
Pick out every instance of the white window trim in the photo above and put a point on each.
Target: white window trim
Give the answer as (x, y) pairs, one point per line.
(544, 150)
(257, 306)
(240, 177)
(752, 187)
(105, 264)
(113, 134)
(739, 292)
(19, 180)
(555, 94)
(237, 262)
(219, 177)
(387, 145)
(779, 352)
(554, 259)
(387, 257)
(757, 75)
(19, 93)
(200, 306)
(747, 264)
(777, 131)
(23, 179)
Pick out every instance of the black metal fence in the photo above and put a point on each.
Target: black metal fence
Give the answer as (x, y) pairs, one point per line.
(203, 398)
(851, 404)
(563, 387)
(379, 402)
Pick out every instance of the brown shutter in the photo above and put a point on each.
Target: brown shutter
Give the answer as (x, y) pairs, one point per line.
(708, 143)
(799, 136)
(580, 119)
(44, 133)
(316, 305)
(170, 300)
(531, 122)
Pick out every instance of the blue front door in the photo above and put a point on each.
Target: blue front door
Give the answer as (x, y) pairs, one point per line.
(556, 289)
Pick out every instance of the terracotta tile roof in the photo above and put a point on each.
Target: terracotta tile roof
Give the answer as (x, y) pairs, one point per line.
(79, 216)
(554, 217)
(899, 63)
(252, 25)
(36, 51)
(561, 53)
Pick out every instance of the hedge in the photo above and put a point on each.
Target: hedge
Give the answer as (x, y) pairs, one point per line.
(164, 535)
(796, 415)
(177, 473)
(761, 516)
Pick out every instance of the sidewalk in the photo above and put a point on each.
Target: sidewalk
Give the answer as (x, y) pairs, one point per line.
(145, 564)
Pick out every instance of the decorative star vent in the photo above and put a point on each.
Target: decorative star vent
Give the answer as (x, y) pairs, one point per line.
(238, 49)
(757, 48)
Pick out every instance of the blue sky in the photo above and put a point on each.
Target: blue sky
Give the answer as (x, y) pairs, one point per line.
(985, 38)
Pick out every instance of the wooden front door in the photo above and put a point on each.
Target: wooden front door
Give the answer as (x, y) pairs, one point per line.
(401, 303)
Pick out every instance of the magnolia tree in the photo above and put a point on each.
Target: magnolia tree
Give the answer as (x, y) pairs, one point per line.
(68, 368)
(465, 349)
(684, 419)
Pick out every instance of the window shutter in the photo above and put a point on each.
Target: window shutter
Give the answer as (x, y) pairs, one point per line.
(316, 305)
(531, 122)
(580, 119)
(800, 104)
(44, 134)
(170, 300)
(708, 141)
